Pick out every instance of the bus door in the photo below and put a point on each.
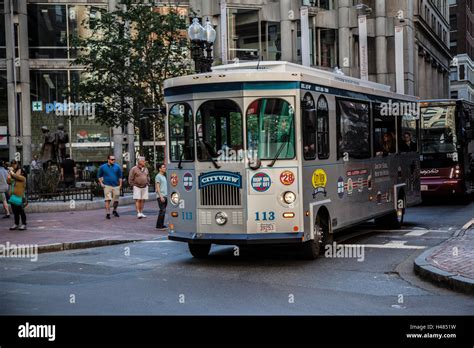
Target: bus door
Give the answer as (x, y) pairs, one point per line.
(272, 171)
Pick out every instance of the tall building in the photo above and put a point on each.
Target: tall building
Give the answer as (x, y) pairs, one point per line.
(36, 54)
(461, 20)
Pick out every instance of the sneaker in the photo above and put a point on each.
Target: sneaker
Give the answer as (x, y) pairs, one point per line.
(107, 216)
(115, 213)
(139, 215)
(143, 215)
(6, 216)
(22, 227)
(14, 227)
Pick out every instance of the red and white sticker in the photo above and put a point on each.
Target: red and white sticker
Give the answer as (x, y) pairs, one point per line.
(287, 177)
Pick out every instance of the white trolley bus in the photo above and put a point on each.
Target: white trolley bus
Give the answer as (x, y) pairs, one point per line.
(274, 152)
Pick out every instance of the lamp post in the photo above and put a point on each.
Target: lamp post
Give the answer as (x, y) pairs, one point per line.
(202, 39)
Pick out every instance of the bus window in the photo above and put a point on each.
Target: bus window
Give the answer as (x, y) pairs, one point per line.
(353, 128)
(438, 129)
(270, 129)
(219, 130)
(308, 113)
(181, 133)
(323, 128)
(385, 141)
(408, 141)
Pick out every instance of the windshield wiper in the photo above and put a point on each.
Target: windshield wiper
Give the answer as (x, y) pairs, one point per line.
(180, 159)
(203, 146)
(282, 146)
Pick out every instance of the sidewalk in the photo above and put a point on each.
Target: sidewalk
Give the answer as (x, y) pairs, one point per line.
(82, 229)
(450, 264)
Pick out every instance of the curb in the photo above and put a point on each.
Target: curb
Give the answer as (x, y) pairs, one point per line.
(442, 278)
(83, 244)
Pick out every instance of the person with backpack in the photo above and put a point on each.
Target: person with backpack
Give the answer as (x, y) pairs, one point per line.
(4, 189)
(17, 181)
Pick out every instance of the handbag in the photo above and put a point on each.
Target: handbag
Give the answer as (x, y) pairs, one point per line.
(14, 199)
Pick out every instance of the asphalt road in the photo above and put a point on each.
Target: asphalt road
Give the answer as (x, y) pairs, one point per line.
(159, 277)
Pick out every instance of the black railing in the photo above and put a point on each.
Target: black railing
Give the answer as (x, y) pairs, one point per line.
(62, 195)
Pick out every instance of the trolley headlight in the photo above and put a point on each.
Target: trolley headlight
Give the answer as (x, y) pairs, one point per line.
(221, 218)
(175, 198)
(289, 197)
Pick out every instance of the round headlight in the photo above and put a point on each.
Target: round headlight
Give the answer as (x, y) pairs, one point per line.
(221, 218)
(175, 198)
(289, 197)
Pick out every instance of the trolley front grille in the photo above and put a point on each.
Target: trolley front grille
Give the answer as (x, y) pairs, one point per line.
(221, 195)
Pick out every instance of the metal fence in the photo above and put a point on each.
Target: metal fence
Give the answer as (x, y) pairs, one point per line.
(62, 195)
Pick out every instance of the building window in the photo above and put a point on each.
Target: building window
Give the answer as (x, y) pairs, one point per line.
(453, 21)
(454, 94)
(3, 98)
(326, 48)
(50, 28)
(462, 72)
(244, 35)
(271, 40)
(2, 32)
(353, 123)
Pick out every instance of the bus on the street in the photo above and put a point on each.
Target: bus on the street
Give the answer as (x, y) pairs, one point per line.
(447, 145)
(278, 153)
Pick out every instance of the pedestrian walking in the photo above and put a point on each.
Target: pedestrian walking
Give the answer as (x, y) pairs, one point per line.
(139, 179)
(110, 178)
(161, 188)
(17, 181)
(4, 189)
(68, 172)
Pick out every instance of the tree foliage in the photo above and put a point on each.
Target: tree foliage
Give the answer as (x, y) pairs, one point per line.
(127, 57)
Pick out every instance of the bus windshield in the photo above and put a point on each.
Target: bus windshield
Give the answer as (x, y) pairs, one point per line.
(438, 133)
(270, 129)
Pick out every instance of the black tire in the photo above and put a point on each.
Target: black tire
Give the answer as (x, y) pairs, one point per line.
(315, 247)
(199, 251)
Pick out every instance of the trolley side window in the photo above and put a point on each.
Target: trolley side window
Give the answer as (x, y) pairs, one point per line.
(385, 140)
(219, 130)
(323, 128)
(353, 123)
(308, 112)
(181, 133)
(270, 129)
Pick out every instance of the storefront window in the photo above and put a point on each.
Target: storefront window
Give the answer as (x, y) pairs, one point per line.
(272, 40)
(244, 34)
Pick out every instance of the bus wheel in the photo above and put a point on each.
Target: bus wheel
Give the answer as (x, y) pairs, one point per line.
(315, 247)
(199, 251)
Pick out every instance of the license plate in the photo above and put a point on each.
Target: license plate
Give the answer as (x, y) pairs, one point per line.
(266, 227)
(424, 187)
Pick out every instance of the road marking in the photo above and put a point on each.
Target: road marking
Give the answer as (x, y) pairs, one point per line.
(416, 233)
(396, 244)
(157, 241)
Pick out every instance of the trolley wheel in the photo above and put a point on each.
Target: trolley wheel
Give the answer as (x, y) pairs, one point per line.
(315, 247)
(199, 251)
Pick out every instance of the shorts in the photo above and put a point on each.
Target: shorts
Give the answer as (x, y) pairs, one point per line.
(3, 196)
(112, 193)
(140, 193)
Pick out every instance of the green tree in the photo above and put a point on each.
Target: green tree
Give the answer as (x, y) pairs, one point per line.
(126, 58)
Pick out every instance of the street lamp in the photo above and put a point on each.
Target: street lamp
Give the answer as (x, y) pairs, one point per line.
(202, 39)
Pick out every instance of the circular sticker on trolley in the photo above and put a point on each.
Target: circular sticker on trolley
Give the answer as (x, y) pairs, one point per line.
(287, 177)
(319, 181)
(174, 179)
(261, 182)
(188, 181)
(340, 187)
